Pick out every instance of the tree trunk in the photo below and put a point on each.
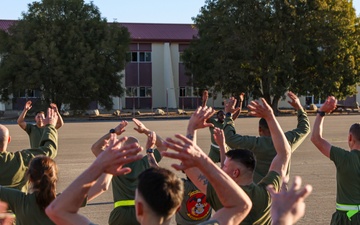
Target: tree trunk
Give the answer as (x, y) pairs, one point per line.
(275, 105)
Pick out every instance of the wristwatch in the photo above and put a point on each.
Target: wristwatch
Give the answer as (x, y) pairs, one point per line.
(112, 131)
(321, 113)
(150, 150)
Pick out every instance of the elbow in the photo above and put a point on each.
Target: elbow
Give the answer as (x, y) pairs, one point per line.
(314, 138)
(52, 212)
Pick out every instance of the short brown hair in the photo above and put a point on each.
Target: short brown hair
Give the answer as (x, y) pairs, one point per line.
(162, 190)
(355, 131)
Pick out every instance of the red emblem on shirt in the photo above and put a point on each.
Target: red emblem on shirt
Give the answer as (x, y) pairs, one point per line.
(196, 205)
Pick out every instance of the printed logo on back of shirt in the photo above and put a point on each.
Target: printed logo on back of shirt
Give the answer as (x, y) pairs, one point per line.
(196, 205)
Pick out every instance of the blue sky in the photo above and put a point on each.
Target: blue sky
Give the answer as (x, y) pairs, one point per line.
(138, 11)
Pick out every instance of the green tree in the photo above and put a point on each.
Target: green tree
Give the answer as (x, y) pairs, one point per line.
(68, 51)
(266, 47)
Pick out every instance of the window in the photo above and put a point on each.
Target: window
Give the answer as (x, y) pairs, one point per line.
(28, 93)
(134, 57)
(186, 92)
(140, 56)
(131, 92)
(145, 56)
(145, 92)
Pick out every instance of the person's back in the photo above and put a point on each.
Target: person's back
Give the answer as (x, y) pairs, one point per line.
(262, 145)
(194, 207)
(30, 208)
(347, 165)
(124, 190)
(13, 165)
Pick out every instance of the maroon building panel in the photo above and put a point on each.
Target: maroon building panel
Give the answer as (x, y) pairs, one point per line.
(133, 47)
(145, 103)
(145, 74)
(131, 74)
(144, 47)
(189, 102)
(131, 102)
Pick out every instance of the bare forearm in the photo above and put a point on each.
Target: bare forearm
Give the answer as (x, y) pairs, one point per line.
(151, 160)
(22, 116)
(99, 145)
(60, 121)
(101, 185)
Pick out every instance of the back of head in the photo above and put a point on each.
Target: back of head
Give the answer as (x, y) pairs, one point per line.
(263, 128)
(43, 177)
(243, 156)
(355, 131)
(4, 136)
(131, 140)
(162, 190)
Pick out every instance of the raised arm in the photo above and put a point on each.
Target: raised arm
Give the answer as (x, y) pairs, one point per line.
(282, 147)
(64, 209)
(150, 145)
(100, 144)
(205, 97)
(238, 109)
(236, 203)
(302, 130)
(60, 121)
(21, 119)
(316, 136)
(142, 129)
(198, 120)
(220, 141)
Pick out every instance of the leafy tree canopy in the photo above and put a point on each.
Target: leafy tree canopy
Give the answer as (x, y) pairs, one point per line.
(67, 50)
(266, 47)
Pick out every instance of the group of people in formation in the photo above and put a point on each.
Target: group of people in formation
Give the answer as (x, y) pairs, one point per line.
(242, 180)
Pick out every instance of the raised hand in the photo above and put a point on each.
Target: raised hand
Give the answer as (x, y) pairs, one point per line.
(294, 100)
(289, 206)
(199, 117)
(329, 105)
(219, 137)
(51, 117)
(186, 151)
(230, 106)
(260, 109)
(115, 156)
(205, 97)
(28, 105)
(54, 107)
(141, 128)
(119, 129)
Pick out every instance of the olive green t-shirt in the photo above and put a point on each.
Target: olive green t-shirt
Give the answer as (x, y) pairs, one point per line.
(35, 134)
(347, 175)
(15, 164)
(25, 207)
(260, 197)
(124, 189)
(262, 146)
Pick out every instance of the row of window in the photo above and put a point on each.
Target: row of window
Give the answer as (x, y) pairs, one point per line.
(130, 92)
(145, 56)
(139, 56)
(147, 92)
